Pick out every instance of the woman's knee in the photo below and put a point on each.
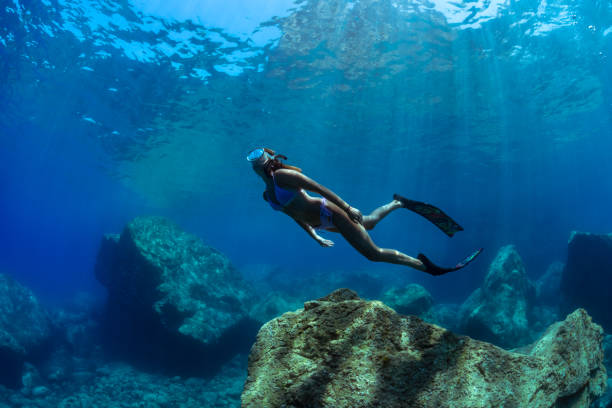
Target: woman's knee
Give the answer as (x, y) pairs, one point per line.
(374, 254)
(368, 222)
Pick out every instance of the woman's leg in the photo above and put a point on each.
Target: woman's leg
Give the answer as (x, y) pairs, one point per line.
(370, 221)
(358, 237)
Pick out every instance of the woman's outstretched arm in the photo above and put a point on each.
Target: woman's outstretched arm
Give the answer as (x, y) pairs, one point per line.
(311, 231)
(295, 179)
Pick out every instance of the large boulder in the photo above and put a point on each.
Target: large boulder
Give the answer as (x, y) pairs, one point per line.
(586, 273)
(499, 311)
(173, 301)
(341, 351)
(25, 330)
(411, 299)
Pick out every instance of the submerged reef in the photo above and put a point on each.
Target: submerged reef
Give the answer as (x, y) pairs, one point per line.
(106, 384)
(588, 268)
(25, 330)
(172, 301)
(342, 351)
(179, 321)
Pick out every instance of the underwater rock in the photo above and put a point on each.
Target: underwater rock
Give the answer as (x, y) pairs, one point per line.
(120, 385)
(172, 302)
(541, 317)
(30, 379)
(608, 351)
(78, 324)
(498, 312)
(411, 299)
(443, 314)
(341, 351)
(80, 332)
(40, 391)
(588, 267)
(547, 302)
(549, 285)
(274, 305)
(606, 400)
(25, 330)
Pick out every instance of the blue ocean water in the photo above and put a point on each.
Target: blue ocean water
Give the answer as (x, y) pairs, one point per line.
(497, 111)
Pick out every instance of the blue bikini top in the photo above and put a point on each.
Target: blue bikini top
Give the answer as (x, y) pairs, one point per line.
(283, 196)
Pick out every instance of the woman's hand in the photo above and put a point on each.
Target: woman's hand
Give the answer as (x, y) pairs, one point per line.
(325, 242)
(355, 215)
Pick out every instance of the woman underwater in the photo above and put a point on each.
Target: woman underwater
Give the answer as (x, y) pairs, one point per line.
(286, 188)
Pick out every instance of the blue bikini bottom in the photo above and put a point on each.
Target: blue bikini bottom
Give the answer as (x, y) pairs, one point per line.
(326, 216)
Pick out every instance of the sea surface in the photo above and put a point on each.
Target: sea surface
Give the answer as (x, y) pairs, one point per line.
(497, 111)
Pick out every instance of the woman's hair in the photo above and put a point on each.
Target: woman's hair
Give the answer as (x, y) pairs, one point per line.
(275, 163)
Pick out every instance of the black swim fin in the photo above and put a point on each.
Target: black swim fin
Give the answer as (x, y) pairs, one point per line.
(435, 270)
(433, 214)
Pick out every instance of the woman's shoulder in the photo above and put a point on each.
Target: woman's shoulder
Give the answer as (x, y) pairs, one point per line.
(288, 179)
(286, 173)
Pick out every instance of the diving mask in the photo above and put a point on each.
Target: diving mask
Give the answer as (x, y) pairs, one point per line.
(256, 155)
(259, 156)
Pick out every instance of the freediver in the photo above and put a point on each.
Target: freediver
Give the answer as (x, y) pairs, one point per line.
(286, 188)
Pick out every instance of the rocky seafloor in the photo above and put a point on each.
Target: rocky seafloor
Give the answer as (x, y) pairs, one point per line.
(181, 327)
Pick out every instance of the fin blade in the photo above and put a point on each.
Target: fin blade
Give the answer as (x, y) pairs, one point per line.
(436, 270)
(468, 259)
(432, 214)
